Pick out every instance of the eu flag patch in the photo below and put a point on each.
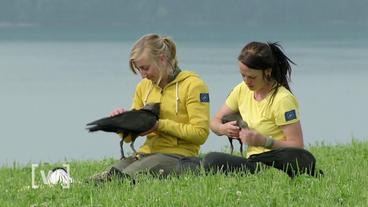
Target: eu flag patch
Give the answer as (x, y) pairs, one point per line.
(290, 115)
(204, 97)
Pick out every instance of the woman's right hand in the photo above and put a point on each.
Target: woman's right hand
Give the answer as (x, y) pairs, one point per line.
(117, 111)
(230, 129)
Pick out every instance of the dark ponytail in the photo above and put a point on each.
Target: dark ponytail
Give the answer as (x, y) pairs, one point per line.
(281, 70)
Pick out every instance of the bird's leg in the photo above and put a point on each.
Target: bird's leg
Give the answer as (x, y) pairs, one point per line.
(122, 149)
(231, 145)
(132, 146)
(241, 147)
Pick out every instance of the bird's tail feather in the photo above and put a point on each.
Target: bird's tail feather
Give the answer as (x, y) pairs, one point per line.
(93, 128)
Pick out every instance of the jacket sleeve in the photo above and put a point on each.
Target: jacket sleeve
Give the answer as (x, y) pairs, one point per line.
(197, 104)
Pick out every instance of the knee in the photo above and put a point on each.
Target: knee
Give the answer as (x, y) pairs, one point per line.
(304, 162)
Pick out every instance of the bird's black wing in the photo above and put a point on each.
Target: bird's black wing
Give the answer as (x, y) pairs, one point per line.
(136, 121)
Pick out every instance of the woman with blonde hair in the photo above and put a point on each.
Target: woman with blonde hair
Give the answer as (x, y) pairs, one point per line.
(183, 124)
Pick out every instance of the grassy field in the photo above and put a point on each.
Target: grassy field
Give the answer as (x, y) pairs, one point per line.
(345, 184)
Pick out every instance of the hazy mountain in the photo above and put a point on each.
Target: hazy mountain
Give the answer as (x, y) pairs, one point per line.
(188, 12)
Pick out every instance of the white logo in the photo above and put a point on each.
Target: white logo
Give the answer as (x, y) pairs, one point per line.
(58, 175)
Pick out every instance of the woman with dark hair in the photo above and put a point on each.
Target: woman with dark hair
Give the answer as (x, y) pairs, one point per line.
(265, 102)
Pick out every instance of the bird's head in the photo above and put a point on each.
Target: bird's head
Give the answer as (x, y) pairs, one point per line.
(153, 108)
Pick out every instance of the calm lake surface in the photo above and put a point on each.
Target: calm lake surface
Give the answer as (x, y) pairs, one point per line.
(51, 89)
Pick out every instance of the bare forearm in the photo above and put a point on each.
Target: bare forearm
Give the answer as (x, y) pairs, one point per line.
(287, 143)
(253, 138)
(215, 126)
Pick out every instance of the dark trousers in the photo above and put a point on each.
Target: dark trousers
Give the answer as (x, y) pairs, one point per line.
(293, 161)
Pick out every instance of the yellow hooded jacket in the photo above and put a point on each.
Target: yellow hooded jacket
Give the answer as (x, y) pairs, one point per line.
(184, 114)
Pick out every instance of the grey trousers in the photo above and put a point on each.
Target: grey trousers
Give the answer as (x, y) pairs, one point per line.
(156, 163)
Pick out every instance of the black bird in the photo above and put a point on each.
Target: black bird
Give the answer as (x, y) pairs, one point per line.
(133, 123)
(240, 123)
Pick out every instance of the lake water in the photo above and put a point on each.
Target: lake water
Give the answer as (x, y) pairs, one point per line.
(51, 89)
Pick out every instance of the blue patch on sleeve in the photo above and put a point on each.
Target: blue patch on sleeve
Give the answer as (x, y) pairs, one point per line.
(204, 97)
(290, 115)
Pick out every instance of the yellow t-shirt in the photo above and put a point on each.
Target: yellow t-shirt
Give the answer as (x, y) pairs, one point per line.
(262, 117)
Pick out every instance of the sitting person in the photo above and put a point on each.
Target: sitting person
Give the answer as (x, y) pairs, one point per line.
(265, 102)
(183, 124)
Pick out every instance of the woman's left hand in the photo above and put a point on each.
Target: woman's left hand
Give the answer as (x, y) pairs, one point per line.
(251, 137)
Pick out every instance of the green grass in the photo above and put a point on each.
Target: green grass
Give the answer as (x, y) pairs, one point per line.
(345, 184)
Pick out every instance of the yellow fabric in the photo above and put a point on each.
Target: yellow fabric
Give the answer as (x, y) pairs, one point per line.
(178, 133)
(262, 117)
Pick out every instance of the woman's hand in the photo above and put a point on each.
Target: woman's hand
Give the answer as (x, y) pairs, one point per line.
(230, 129)
(117, 111)
(251, 137)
